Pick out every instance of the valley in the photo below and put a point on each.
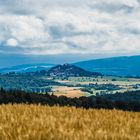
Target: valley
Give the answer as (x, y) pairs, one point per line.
(99, 85)
(69, 81)
(69, 69)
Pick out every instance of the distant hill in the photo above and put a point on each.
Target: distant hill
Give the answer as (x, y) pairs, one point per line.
(67, 70)
(120, 66)
(27, 68)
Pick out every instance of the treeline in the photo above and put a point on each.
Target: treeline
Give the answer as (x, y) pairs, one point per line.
(15, 96)
(25, 82)
(131, 96)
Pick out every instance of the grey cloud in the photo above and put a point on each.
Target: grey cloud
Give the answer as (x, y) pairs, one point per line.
(112, 6)
(27, 7)
(131, 30)
(76, 26)
(58, 32)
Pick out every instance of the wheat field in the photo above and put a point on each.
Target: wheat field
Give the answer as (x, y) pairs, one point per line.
(36, 122)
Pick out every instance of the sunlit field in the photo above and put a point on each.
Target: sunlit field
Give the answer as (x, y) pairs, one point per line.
(36, 122)
(70, 92)
(125, 84)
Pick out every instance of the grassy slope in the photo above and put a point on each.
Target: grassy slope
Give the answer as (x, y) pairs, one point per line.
(30, 122)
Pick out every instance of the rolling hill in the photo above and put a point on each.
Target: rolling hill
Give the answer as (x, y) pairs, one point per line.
(120, 66)
(67, 70)
(27, 68)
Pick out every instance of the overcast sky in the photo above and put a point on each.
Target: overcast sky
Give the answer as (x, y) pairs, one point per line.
(58, 27)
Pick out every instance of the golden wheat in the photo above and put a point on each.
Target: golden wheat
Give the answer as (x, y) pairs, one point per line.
(36, 122)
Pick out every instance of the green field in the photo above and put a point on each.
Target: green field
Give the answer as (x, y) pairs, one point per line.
(70, 86)
(115, 84)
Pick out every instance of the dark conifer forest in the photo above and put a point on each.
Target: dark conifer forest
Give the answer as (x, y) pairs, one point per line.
(129, 102)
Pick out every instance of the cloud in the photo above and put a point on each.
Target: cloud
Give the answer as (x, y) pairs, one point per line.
(112, 6)
(12, 42)
(75, 27)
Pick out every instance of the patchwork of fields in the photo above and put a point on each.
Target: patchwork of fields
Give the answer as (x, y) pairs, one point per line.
(87, 86)
(30, 122)
(70, 86)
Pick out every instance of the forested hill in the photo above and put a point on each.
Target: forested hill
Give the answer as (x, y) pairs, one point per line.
(120, 66)
(67, 70)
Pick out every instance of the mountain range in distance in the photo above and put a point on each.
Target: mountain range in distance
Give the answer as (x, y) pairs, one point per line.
(27, 68)
(119, 66)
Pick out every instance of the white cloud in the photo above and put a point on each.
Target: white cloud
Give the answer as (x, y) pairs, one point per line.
(12, 42)
(131, 3)
(76, 26)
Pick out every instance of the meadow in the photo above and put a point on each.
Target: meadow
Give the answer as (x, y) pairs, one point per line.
(69, 86)
(36, 122)
(99, 85)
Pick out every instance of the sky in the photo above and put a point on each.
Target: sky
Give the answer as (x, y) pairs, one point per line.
(60, 31)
